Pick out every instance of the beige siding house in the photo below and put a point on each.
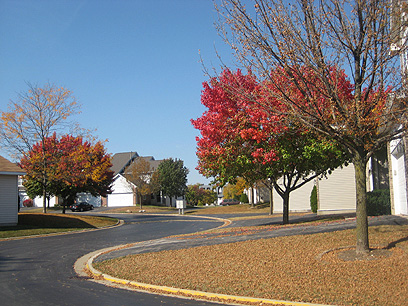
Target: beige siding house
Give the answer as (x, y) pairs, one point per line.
(337, 193)
(9, 173)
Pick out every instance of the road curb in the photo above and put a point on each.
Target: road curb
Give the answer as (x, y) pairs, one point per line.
(84, 268)
(165, 290)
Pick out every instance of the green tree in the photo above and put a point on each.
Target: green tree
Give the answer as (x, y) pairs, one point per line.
(210, 197)
(194, 194)
(172, 177)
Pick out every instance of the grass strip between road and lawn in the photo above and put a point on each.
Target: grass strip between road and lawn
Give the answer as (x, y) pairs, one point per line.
(261, 209)
(303, 268)
(30, 224)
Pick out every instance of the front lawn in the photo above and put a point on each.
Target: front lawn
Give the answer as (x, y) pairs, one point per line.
(294, 268)
(37, 224)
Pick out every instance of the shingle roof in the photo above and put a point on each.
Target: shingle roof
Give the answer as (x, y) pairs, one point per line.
(121, 160)
(7, 167)
(153, 163)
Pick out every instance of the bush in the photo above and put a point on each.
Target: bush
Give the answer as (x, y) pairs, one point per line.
(28, 203)
(378, 202)
(313, 200)
(243, 198)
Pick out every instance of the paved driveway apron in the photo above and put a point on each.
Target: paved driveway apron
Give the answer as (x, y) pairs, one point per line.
(39, 271)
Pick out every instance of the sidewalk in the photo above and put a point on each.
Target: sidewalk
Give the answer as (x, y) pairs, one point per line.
(229, 234)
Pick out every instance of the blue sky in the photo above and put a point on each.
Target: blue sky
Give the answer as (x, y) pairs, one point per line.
(133, 65)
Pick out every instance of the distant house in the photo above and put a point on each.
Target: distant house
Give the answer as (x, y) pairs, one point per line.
(398, 176)
(9, 202)
(337, 192)
(123, 190)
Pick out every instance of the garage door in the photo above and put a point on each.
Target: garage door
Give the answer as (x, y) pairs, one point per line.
(120, 199)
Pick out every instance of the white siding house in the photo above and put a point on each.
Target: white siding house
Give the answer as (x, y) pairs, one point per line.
(399, 202)
(398, 149)
(9, 204)
(122, 192)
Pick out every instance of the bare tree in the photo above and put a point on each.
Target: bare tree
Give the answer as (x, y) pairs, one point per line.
(308, 41)
(35, 116)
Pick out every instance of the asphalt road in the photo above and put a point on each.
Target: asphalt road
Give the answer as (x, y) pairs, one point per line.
(39, 271)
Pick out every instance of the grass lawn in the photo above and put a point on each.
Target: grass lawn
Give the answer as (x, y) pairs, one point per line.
(204, 210)
(231, 209)
(145, 208)
(37, 223)
(285, 268)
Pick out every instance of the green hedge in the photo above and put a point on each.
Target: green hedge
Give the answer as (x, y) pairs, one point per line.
(313, 200)
(378, 202)
(243, 198)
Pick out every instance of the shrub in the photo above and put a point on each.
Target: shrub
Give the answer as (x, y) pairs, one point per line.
(28, 203)
(243, 198)
(313, 200)
(378, 202)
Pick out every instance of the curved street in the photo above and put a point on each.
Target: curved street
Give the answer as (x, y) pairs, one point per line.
(39, 271)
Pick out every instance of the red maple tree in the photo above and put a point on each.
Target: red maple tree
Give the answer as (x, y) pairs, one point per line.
(67, 166)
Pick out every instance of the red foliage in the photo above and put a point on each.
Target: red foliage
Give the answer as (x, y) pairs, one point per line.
(70, 165)
(244, 115)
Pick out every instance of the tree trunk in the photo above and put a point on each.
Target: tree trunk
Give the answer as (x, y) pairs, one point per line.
(271, 199)
(252, 198)
(285, 198)
(141, 201)
(362, 246)
(44, 198)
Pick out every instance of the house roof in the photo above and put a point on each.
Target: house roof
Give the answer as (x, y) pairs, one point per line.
(8, 168)
(150, 159)
(122, 160)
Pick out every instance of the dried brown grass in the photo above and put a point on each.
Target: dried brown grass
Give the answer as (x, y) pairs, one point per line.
(283, 268)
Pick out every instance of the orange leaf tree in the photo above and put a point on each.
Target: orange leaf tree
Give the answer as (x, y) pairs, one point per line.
(143, 178)
(34, 116)
(71, 166)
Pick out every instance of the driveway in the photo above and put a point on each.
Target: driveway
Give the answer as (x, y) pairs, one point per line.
(39, 271)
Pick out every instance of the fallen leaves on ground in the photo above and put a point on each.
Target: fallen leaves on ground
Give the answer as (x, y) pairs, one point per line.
(283, 268)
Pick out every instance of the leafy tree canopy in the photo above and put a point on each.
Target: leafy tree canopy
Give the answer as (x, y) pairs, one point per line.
(172, 177)
(72, 166)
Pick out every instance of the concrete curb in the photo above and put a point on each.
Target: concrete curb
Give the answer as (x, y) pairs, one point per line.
(84, 268)
(84, 264)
